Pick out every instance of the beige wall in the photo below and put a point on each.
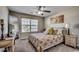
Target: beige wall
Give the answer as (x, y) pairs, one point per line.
(4, 15)
(71, 17)
(20, 15)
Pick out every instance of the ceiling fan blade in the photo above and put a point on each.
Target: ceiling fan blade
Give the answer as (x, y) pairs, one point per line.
(46, 11)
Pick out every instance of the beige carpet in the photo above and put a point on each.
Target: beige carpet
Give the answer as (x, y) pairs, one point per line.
(25, 46)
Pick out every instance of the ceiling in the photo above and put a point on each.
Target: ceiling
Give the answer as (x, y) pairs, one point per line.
(32, 9)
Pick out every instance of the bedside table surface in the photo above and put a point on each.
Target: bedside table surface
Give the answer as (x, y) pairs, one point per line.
(5, 43)
(70, 35)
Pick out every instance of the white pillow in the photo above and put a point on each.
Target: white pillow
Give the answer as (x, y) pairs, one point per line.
(46, 31)
(59, 32)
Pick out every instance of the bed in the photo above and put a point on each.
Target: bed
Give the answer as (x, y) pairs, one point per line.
(42, 41)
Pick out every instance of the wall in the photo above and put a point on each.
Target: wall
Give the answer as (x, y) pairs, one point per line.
(21, 15)
(4, 15)
(71, 17)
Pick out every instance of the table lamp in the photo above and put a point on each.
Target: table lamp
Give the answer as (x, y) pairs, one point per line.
(67, 26)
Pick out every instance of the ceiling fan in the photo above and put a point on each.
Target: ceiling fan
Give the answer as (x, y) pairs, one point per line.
(42, 10)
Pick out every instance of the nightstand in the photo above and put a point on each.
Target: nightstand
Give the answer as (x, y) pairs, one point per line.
(71, 40)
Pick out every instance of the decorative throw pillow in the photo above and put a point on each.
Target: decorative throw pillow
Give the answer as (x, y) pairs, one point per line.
(55, 32)
(50, 31)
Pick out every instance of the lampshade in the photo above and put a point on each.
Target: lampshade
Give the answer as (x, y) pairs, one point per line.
(67, 26)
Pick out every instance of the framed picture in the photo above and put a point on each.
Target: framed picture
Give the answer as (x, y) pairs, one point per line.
(57, 19)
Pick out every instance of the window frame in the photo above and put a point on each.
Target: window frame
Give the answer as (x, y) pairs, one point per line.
(30, 25)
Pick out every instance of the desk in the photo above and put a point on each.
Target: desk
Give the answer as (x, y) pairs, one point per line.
(8, 43)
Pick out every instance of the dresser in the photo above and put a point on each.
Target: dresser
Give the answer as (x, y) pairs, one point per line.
(71, 40)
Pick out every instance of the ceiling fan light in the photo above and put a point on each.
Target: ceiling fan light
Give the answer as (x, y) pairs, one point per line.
(40, 12)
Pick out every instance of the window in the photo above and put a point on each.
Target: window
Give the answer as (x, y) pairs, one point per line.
(13, 25)
(34, 25)
(29, 25)
(25, 25)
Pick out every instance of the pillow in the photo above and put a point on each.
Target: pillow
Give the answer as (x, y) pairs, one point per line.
(50, 31)
(45, 32)
(59, 32)
(55, 32)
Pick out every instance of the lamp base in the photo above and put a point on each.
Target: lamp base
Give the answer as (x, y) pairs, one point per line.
(68, 31)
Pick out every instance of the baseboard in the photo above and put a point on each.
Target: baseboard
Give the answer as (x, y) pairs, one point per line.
(71, 46)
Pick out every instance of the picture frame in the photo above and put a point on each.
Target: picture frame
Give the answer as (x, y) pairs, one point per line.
(57, 19)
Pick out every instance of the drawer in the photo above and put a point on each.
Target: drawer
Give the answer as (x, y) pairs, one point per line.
(71, 41)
